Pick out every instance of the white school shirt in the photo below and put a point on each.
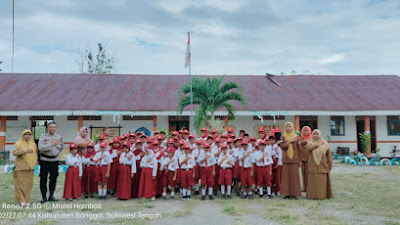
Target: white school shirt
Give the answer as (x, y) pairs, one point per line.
(178, 153)
(225, 163)
(266, 161)
(151, 164)
(210, 161)
(88, 161)
(189, 164)
(73, 161)
(214, 149)
(129, 162)
(278, 154)
(97, 147)
(236, 154)
(105, 161)
(196, 153)
(172, 166)
(249, 160)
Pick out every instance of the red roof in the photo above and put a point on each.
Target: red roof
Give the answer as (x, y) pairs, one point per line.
(160, 92)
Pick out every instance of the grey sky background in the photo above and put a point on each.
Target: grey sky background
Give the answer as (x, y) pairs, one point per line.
(227, 37)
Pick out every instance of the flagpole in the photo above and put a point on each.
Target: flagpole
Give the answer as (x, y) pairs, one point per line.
(13, 37)
(191, 92)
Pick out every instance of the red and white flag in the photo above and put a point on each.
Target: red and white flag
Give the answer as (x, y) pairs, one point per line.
(188, 57)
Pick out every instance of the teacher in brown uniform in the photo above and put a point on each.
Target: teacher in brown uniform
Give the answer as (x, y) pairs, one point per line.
(290, 181)
(319, 167)
(305, 137)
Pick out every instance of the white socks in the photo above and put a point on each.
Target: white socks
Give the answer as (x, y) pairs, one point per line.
(164, 194)
(104, 192)
(196, 187)
(222, 189)
(203, 192)
(210, 191)
(172, 193)
(228, 191)
(188, 192)
(261, 191)
(269, 190)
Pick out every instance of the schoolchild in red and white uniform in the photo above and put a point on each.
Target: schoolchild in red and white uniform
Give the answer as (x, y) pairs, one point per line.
(276, 180)
(224, 138)
(187, 163)
(72, 186)
(101, 138)
(204, 133)
(238, 164)
(169, 167)
(247, 172)
(226, 163)
(127, 171)
(207, 163)
(198, 149)
(89, 185)
(148, 174)
(263, 163)
(139, 153)
(160, 155)
(103, 161)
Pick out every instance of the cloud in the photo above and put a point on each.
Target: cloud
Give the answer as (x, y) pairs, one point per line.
(332, 58)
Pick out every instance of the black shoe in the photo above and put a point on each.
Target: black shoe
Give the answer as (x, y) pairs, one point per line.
(228, 197)
(223, 197)
(286, 197)
(52, 199)
(100, 197)
(210, 197)
(196, 193)
(270, 197)
(104, 197)
(238, 193)
(85, 196)
(261, 197)
(164, 197)
(216, 193)
(91, 195)
(243, 196)
(203, 197)
(184, 197)
(250, 196)
(172, 197)
(188, 197)
(43, 200)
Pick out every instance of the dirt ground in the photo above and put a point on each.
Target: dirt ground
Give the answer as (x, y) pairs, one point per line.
(363, 195)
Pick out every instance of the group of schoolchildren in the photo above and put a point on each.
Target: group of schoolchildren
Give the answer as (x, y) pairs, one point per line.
(137, 166)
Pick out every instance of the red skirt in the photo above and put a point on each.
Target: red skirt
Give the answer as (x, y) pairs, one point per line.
(168, 179)
(263, 176)
(246, 179)
(236, 171)
(159, 181)
(197, 173)
(89, 178)
(276, 180)
(206, 177)
(136, 180)
(187, 178)
(225, 177)
(124, 182)
(146, 184)
(216, 178)
(113, 179)
(72, 187)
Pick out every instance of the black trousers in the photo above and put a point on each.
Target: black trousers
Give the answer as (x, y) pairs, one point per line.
(45, 169)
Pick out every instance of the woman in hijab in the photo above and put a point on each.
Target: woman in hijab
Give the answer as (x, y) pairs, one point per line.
(82, 140)
(26, 158)
(290, 181)
(305, 137)
(319, 166)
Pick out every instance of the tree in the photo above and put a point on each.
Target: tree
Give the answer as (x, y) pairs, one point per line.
(210, 94)
(94, 64)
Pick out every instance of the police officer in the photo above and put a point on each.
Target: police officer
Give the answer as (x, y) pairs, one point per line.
(50, 146)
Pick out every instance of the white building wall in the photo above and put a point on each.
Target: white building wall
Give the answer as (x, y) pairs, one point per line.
(247, 123)
(384, 141)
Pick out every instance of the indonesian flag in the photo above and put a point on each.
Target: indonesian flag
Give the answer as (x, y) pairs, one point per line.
(187, 59)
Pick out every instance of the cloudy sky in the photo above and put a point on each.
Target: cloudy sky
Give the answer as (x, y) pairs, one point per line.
(227, 37)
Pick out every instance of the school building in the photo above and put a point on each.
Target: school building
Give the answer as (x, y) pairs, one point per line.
(340, 106)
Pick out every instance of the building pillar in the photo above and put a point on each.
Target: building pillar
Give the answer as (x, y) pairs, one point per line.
(296, 123)
(367, 130)
(226, 122)
(154, 123)
(80, 122)
(3, 126)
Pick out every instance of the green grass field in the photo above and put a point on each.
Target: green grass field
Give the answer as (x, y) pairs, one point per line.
(362, 195)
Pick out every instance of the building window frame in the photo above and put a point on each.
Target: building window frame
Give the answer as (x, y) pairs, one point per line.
(395, 120)
(85, 118)
(332, 123)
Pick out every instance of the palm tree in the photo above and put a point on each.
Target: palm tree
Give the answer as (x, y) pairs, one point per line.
(210, 94)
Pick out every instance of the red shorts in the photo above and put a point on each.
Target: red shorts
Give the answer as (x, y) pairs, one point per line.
(101, 174)
(167, 179)
(264, 176)
(187, 178)
(236, 171)
(245, 178)
(206, 176)
(225, 176)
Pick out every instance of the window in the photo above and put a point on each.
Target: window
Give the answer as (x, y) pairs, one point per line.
(393, 125)
(12, 117)
(311, 121)
(269, 118)
(85, 117)
(337, 125)
(137, 117)
(42, 118)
